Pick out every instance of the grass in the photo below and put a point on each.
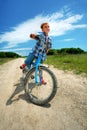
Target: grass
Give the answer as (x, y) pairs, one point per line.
(4, 60)
(75, 63)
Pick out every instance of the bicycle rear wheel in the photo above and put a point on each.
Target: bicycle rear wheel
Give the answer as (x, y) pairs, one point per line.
(40, 94)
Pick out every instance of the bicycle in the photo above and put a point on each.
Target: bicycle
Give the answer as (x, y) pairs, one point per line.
(38, 92)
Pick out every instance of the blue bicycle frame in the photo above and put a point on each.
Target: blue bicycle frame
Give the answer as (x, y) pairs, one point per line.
(37, 63)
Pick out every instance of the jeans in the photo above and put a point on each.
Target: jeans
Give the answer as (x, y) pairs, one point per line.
(28, 61)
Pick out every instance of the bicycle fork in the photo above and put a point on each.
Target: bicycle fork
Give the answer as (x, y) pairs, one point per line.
(38, 73)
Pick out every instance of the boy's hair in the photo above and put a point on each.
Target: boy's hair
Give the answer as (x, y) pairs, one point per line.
(43, 25)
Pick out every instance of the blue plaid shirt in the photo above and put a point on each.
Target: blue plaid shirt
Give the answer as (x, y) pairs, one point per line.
(39, 48)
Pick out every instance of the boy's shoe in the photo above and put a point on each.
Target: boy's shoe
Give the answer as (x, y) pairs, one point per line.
(44, 82)
(22, 66)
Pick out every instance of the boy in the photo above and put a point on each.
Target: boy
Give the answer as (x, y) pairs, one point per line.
(38, 47)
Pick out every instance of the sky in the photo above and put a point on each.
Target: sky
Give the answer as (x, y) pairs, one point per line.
(20, 18)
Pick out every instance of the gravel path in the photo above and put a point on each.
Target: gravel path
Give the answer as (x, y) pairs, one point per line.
(67, 111)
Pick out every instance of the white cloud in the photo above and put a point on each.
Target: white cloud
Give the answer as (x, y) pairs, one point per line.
(67, 40)
(60, 23)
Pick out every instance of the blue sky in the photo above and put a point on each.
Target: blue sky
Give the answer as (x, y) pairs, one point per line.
(20, 18)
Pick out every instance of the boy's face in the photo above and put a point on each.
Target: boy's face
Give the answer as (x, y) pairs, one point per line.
(46, 28)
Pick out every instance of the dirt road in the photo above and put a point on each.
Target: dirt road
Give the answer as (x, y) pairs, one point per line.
(67, 111)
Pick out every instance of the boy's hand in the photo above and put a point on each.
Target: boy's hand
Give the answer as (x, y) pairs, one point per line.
(33, 36)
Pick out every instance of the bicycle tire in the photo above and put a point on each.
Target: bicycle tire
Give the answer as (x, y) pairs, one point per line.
(27, 85)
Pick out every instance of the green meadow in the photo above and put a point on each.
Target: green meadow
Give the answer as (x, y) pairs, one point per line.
(74, 62)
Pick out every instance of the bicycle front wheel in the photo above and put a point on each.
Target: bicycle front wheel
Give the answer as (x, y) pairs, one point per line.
(40, 93)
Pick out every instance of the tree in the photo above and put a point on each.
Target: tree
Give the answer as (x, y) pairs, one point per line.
(9, 55)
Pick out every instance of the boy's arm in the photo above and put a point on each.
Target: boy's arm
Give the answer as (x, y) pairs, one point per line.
(35, 36)
(49, 46)
(47, 51)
